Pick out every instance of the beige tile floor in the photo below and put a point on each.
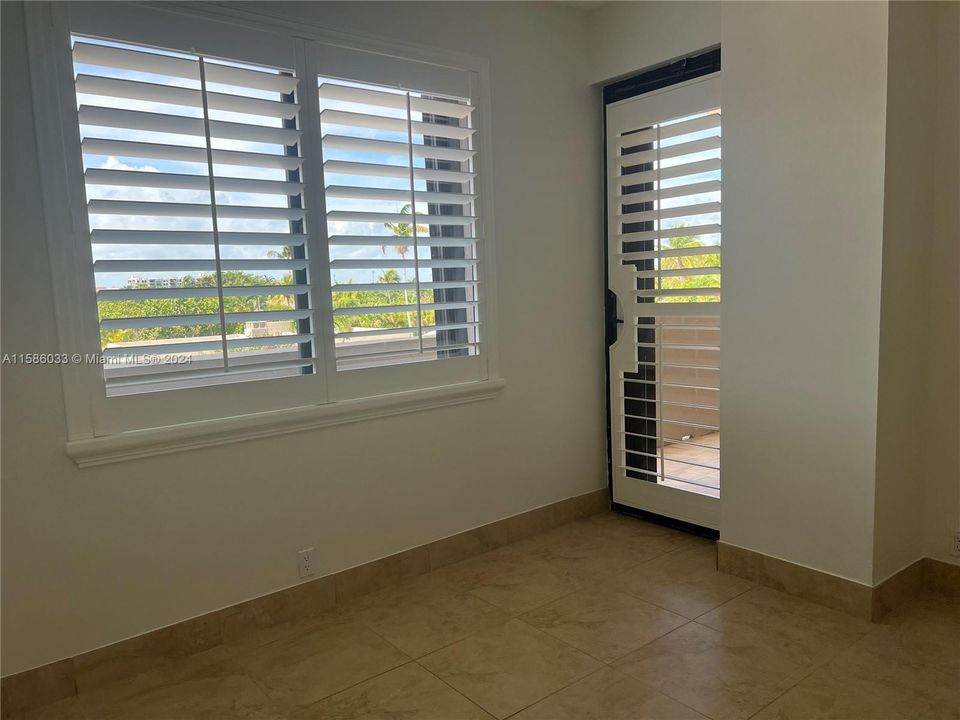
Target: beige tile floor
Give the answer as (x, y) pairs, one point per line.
(608, 618)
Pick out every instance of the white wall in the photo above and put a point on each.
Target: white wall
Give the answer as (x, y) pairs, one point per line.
(91, 557)
(941, 366)
(625, 37)
(908, 229)
(804, 120)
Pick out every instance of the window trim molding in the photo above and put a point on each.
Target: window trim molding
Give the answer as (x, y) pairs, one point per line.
(137, 444)
(45, 23)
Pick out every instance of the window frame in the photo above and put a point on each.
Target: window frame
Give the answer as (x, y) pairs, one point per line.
(96, 422)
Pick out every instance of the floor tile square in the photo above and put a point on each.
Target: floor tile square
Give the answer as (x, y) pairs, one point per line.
(861, 683)
(608, 694)
(220, 690)
(422, 617)
(319, 663)
(806, 633)
(407, 692)
(725, 678)
(685, 582)
(510, 667)
(165, 672)
(580, 552)
(511, 579)
(603, 623)
(66, 709)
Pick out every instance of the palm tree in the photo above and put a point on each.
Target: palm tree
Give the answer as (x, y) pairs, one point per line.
(404, 230)
(285, 253)
(708, 260)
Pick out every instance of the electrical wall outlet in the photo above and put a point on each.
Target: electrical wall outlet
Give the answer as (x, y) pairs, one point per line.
(306, 562)
(956, 543)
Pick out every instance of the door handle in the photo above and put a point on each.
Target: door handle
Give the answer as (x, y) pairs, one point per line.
(610, 318)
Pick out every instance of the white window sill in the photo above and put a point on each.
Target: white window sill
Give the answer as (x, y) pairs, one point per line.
(190, 436)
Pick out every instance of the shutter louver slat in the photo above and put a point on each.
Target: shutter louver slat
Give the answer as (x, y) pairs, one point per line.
(378, 310)
(377, 122)
(226, 312)
(672, 212)
(666, 132)
(196, 265)
(206, 345)
(668, 193)
(364, 193)
(187, 237)
(393, 100)
(132, 207)
(179, 153)
(672, 151)
(368, 264)
(668, 233)
(381, 218)
(347, 167)
(168, 293)
(378, 241)
(698, 167)
(360, 334)
(679, 272)
(670, 252)
(132, 178)
(372, 287)
(187, 97)
(394, 149)
(122, 385)
(156, 64)
(159, 122)
(174, 320)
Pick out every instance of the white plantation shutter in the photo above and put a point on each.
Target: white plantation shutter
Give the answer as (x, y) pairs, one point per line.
(400, 198)
(664, 165)
(195, 204)
(235, 202)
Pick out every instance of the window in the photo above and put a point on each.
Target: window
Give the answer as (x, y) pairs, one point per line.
(260, 222)
(194, 199)
(399, 200)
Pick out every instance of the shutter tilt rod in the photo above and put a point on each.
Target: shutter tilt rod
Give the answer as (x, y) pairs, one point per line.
(213, 215)
(413, 216)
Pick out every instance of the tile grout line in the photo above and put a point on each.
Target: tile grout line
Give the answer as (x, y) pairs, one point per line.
(351, 686)
(602, 578)
(559, 690)
(607, 663)
(336, 692)
(643, 682)
(803, 672)
(609, 666)
(468, 699)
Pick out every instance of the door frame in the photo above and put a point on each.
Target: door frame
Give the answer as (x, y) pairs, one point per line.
(674, 72)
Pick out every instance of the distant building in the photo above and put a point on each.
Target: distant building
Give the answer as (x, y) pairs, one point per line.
(266, 328)
(173, 282)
